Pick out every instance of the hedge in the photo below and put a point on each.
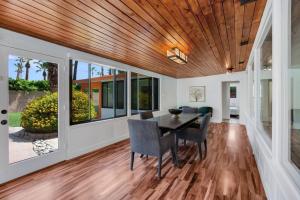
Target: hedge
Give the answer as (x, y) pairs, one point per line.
(27, 85)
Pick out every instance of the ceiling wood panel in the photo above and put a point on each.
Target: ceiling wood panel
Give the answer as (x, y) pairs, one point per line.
(139, 32)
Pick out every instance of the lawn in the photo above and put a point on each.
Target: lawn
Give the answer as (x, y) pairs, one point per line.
(14, 119)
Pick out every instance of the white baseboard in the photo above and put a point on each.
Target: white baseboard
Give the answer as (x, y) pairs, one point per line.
(96, 146)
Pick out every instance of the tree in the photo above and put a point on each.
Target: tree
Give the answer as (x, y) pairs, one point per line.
(53, 76)
(27, 66)
(19, 64)
(50, 69)
(75, 70)
(42, 67)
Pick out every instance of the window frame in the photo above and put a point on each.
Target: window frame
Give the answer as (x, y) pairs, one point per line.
(257, 68)
(138, 89)
(71, 123)
(285, 146)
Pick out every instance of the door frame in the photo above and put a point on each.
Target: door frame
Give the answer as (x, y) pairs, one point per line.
(14, 170)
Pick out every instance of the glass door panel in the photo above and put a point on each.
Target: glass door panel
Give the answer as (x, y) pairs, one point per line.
(33, 107)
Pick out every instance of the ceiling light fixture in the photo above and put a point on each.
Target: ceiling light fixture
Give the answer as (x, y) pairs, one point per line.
(177, 56)
(230, 69)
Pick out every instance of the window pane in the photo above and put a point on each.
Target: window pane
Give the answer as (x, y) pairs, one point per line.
(80, 103)
(121, 93)
(102, 80)
(266, 85)
(33, 107)
(156, 93)
(233, 92)
(134, 91)
(145, 93)
(294, 74)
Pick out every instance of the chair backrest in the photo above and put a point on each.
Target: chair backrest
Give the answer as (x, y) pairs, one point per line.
(144, 136)
(204, 125)
(146, 115)
(187, 109)
(204, 110)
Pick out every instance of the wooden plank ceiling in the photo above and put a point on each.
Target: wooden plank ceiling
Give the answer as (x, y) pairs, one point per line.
(213, 33)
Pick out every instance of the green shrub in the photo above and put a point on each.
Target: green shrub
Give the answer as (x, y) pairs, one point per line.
(27, 85)
(40, 115)
(80, 107)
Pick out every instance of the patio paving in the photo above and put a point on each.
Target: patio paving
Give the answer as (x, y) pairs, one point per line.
(22, 146)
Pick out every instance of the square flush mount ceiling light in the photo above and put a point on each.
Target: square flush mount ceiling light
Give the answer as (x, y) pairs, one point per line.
(177, 56)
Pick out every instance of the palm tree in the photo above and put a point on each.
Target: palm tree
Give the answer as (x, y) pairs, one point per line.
(19, 64)
(42, 67)
(75, 70)
(27, 66)
(51, 70)
(53, 76)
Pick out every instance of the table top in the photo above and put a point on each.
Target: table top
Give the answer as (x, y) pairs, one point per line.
(171, 122)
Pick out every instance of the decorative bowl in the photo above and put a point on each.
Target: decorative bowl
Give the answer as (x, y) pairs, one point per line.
(175, 111)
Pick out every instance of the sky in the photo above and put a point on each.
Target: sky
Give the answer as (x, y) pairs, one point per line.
(82, 70)
(33, 75)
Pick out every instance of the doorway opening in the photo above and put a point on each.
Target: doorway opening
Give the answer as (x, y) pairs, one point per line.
(230, 102)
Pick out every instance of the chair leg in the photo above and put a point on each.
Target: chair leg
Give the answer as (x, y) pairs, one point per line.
(184, 142)
(176, 144)
(174, 156)
(205, 144)
(200, 150)
(132, 160)
(159, 166)
(147, 156)
(142, 155)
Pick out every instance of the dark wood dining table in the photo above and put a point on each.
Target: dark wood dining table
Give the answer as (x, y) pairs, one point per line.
(173, 123)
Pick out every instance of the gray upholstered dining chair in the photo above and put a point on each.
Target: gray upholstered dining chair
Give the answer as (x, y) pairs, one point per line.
(197, 135)
(145, 138)
(188, 109)
(146, 115)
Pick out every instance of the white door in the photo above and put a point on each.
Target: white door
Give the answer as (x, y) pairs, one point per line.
(32, 128)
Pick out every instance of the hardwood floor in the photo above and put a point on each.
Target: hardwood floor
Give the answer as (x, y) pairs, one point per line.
(229, 171)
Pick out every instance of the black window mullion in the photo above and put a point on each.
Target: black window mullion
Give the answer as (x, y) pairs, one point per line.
(89, 91)
(152, 91)
(114, 92)
(70, 89)
(138, 93)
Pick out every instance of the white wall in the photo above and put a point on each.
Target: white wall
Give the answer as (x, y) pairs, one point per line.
(213, 88)
(84, 138)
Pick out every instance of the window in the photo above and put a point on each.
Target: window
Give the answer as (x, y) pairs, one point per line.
(265, 119)
(156, 93)
(144, 93)
(107, 94)
(232, 92)
(134, 93)
(294, 82)
(121, 93)
(97, 93)
(252, 96)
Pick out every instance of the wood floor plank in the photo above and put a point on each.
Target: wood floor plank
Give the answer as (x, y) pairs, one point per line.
(228, 171)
